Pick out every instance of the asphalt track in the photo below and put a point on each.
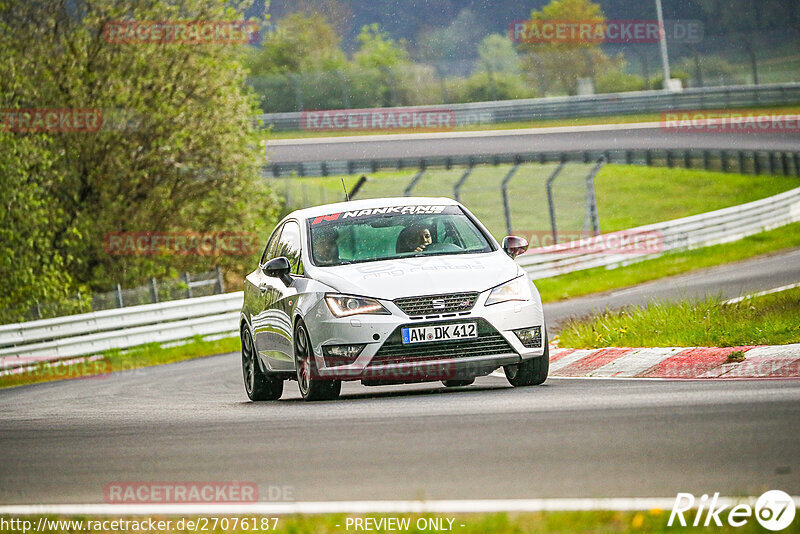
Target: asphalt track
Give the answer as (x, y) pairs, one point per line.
(64, 442)
(601, 137)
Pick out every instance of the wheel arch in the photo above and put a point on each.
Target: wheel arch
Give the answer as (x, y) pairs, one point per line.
(244, 321)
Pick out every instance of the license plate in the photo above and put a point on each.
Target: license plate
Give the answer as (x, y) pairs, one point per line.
(445, 332)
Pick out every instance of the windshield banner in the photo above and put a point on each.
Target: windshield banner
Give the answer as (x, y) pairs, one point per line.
(374, 212)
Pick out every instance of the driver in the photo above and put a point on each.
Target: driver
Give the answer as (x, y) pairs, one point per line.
(414, 239)
(326, 251)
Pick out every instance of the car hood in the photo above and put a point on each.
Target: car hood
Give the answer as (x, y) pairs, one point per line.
(391, 279)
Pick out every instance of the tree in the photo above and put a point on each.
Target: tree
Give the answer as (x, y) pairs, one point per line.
(749, 15)
(378, 50)
(563, 63)
(382, 68)
(301, 42)
(451, 49)
(496, 54)
(300, 63)
(172, 154)
(338, 14)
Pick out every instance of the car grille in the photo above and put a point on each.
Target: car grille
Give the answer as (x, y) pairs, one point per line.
(488, 342)
(437, 304)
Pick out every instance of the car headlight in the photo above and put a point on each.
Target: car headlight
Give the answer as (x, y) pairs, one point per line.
(516, 289)
(344, 305)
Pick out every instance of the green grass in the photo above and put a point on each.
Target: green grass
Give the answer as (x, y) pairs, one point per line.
(580, 121)
(654, 521)
(627, 195)
(601, 279)
(768, 320)
(118, 360)
(631, 195)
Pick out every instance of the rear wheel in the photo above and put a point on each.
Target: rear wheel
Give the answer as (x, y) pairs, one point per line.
(312, 387)
(458, 383)
(530, 372)
(258, 385)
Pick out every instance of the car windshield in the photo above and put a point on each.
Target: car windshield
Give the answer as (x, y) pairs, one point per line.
(393, 232)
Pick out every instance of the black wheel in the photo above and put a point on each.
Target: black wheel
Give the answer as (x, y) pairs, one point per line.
(530, 372)
(259, 386)
(458, 383)
(312, 387)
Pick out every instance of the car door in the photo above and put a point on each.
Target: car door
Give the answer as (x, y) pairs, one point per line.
(258, 297)
(272, 329)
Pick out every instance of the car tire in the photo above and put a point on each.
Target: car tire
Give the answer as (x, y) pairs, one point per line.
(258, 385)
(458, 383)
(530, 372)
(312, 387)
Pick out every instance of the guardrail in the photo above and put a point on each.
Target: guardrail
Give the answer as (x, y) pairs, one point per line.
(740, 161)
(65, 337)
(589, 106)
(89, 333)
(712, 228)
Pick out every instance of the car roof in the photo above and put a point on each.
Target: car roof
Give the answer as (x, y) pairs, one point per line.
(327, 209)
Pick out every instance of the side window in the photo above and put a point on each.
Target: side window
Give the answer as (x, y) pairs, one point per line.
(270, 248)
(289, 246)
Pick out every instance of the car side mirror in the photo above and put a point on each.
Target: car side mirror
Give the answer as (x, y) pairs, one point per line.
(514, 246)
(278, 268)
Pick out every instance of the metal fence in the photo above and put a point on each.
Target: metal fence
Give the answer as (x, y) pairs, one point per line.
(739, 161)
(532, 109)
(501, 191)
(187, 286)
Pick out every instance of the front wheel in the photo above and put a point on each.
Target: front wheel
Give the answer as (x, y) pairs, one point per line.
(312, 386)
(530, 372)
(259, 386)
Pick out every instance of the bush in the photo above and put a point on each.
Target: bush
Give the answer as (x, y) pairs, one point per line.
(616, 81)
(481, 87)
(683, 76)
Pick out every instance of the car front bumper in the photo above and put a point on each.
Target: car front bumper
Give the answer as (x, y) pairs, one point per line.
(385, 359)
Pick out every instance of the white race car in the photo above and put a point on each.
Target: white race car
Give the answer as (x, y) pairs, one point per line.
(388, 291)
